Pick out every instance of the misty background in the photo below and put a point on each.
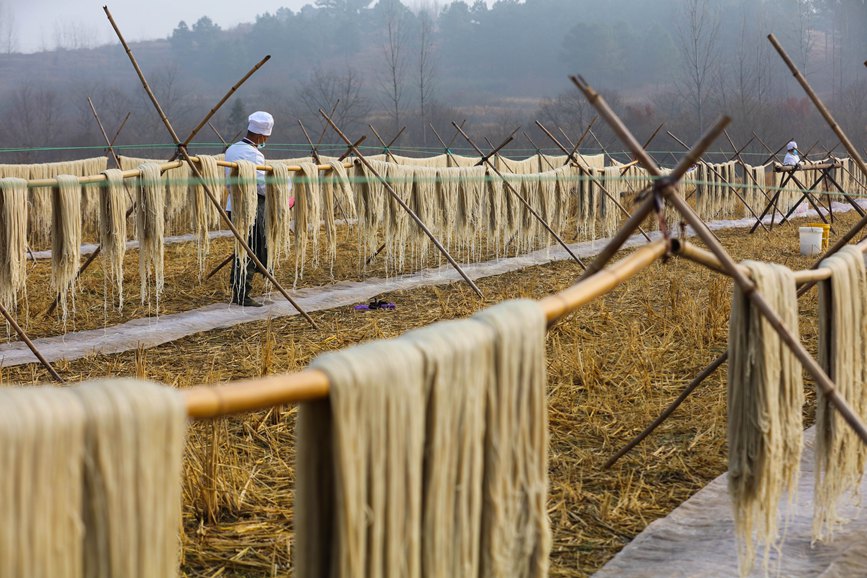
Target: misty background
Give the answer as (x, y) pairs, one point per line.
(497, 65)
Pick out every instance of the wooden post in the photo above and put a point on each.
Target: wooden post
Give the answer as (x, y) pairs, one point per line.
(26, 340)
(183, 151)
(403, 205)
(518, 196)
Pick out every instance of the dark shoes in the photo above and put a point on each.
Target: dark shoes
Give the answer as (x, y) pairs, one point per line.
(246, 302)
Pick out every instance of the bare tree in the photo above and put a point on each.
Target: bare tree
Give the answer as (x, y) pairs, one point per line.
(394, 58)
(803, 32)
(8, 38)
(426, 70)
(32, 118)
(323, 90)
(698, 35)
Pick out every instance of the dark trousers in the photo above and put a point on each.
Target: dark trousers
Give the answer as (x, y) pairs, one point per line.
(241, 287)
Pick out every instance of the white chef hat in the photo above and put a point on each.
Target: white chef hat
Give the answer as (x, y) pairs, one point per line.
(791, 146)
(260, 122)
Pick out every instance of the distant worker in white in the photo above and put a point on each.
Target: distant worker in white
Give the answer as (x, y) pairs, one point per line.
(249, 148)
(793, 157)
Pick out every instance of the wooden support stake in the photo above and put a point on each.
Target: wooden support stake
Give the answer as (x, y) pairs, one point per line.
(11, 321)
(520, 197)
(405, 207)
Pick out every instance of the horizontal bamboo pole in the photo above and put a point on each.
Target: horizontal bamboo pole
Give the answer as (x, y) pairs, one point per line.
(709, 260)
(803, 167)
(91, 179)
(209, 401)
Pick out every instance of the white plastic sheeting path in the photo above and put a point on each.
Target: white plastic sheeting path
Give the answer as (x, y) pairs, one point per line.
(153, 331)
(697, 538)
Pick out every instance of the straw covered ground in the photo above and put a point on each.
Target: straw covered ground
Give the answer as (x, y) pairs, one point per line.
(613, 366)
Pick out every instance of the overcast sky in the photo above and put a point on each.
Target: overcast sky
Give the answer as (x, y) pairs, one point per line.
(38, 23)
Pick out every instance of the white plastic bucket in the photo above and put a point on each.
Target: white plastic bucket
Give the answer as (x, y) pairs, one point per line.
(811, 240)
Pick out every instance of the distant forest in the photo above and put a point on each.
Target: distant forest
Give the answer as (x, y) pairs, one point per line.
(393, 65)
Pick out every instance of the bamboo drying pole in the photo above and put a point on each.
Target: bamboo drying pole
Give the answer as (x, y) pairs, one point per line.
(209, 401)
(724, 180)
(652, 202)
(404, 206)
(820, 106)
(197, 173)
(538, 151)
(738, 151)
(447, 147)
(520, 197)
(737, 158)
(773, 156)
(716, 363)
(580, 140)
(644, 146)
(223, 100)
(746, 285)
(486, 158)
(11, 321)
(386, 148)
(586, 173)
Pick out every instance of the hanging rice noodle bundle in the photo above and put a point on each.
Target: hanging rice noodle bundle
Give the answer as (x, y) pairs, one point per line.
(840, 454)
(471, 187)
(13, 241)
(765, 390)
(495, 216)
(397, 219)
(112, 229)
(278, 215)
(66, 240)
(338, 181)
(40, 212)
(204, 214)
(423, 203)
(150, 231)
(91, 480)
(566, 188)
(370, 204)
(549, 207)
(448, 181)
(461, 491)
(177, 187)
(462, 161)
(307, 215)
(245, 201)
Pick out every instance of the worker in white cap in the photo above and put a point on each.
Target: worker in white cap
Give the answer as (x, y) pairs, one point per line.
(249, 148)
(793, 157)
